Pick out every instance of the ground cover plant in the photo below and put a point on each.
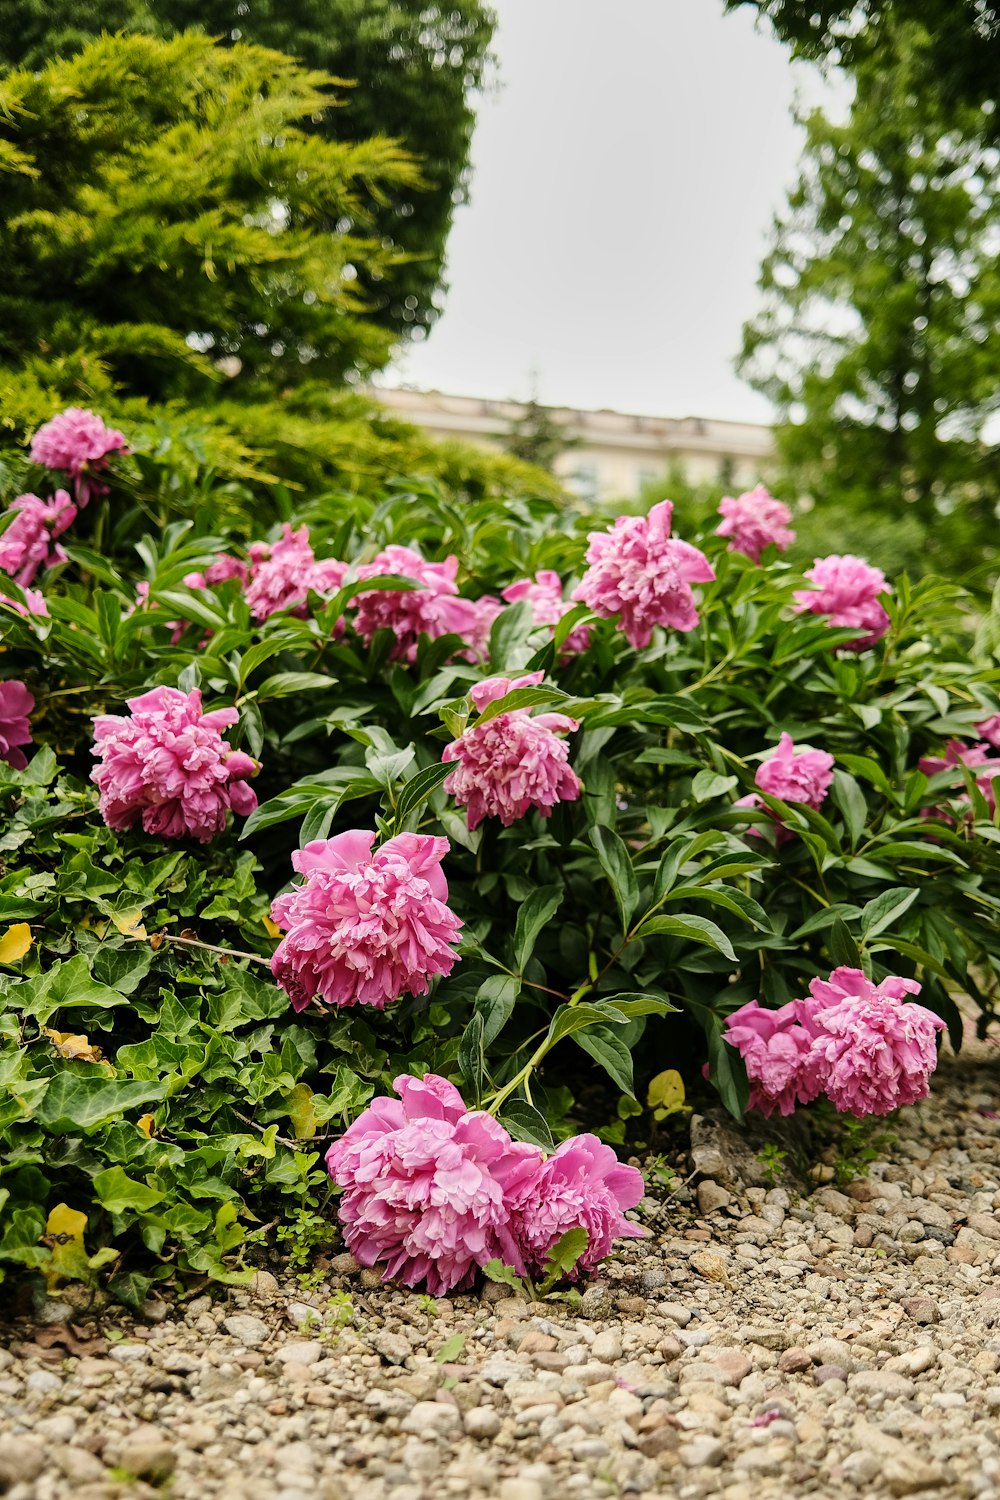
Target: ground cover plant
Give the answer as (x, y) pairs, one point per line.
(530, 804)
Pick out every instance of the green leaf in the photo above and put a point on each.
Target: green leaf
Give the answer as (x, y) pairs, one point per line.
(131, 1289)
(525, 1123)
(73, 1103)
(885, 909)
(66, 986)
(116, 1192)
(617, 865)
(295, 684)
(612, 1054)
(495, 1002)
(495, 1270)
(696, 929)
(850, 799)
(564, 1256)
(842, 948)
(726, 1070)
(632, 1005)
(532, 916)
(471, 1059)
(420, 788)
(709, 784)
(451, 1348)
(570, 1018)
(525, 697)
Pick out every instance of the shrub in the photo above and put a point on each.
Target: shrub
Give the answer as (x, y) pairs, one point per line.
(157, 1079)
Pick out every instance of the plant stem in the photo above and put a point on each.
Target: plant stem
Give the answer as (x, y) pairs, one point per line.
(169, 937)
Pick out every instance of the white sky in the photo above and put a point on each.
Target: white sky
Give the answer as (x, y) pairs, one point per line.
(625, 175)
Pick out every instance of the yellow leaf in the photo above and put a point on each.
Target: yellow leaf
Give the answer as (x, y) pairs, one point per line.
(75, 1047)
(301, 1113)
(64, 1235)
(666, 1091)
(271, 928)
(129, 923)
(145, 1124)
(15, 943)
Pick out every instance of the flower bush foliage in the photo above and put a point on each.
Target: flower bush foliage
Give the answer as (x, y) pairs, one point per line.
(501, 756)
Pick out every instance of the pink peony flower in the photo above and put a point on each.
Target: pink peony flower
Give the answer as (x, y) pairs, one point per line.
(847, 590)
(169, 766)
(990, 730)
(28, 543)
(581, 1185)
(16, 703)
(512, 763)
(877, 1052)
(283, 579)
(984, 766)
(472, 619)
(433, 609)
(365, 927)
(853, 1040)
(776, 1048)
(793, 776)
(753, 521)
(221, 570)
(34, 603)
(639, 571)
(544, 594)
(426, 1184)
(78, 442)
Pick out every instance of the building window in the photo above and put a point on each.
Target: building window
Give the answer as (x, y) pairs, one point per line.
(585, 481)
(646, 476)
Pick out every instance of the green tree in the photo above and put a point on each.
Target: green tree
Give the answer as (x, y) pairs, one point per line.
(160, 212)
(414, 70)
(881, 291)
(965, 61)
(162, 234)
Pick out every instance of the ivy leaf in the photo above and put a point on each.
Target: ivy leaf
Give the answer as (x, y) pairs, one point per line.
(15, 943)
(564, 1256)
(495, 1270)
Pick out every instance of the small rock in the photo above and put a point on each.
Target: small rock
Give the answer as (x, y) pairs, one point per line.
(794, 1361)
(300, 1352)
(147, 1453)
(264, 1287)
(712, 1197)
(392, 1347)
(702, 1453)
(22, 1459)
(78, 1465)
(921, 1309)
(913, 1361)
(433, 1418)
(884, 1382)
(344, 1265)
(521, 1489)
(906, 1475)
(710, 1265)
(676, 1312)
(985, 1224)
(823, 1373)
(607, 1346)
(861, 1468)
(482, 1422)
(43, 1383)
(249, 1330)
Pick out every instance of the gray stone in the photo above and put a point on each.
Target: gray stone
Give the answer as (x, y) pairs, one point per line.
(299, 1352)
(22, 1459)
(148, 1453)
(433, 1418)
(987, 1225)
(482, 1422)
(607, 1346)
(712, 1197)
(392, 1347)
(702, 1453)
(43, 1383)
(247, 1329)
(884, 1382)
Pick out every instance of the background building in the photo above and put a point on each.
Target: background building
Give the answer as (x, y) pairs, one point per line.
(607, 453)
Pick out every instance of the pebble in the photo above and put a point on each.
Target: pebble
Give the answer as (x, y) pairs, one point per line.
(248, 1329)
(762, 1343)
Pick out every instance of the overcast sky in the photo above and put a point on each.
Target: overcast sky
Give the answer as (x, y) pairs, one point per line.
(625, 174)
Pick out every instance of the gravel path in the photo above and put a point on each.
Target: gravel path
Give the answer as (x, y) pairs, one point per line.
(758, 1346)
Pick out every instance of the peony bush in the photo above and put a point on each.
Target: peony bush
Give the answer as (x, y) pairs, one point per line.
(503, 808)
